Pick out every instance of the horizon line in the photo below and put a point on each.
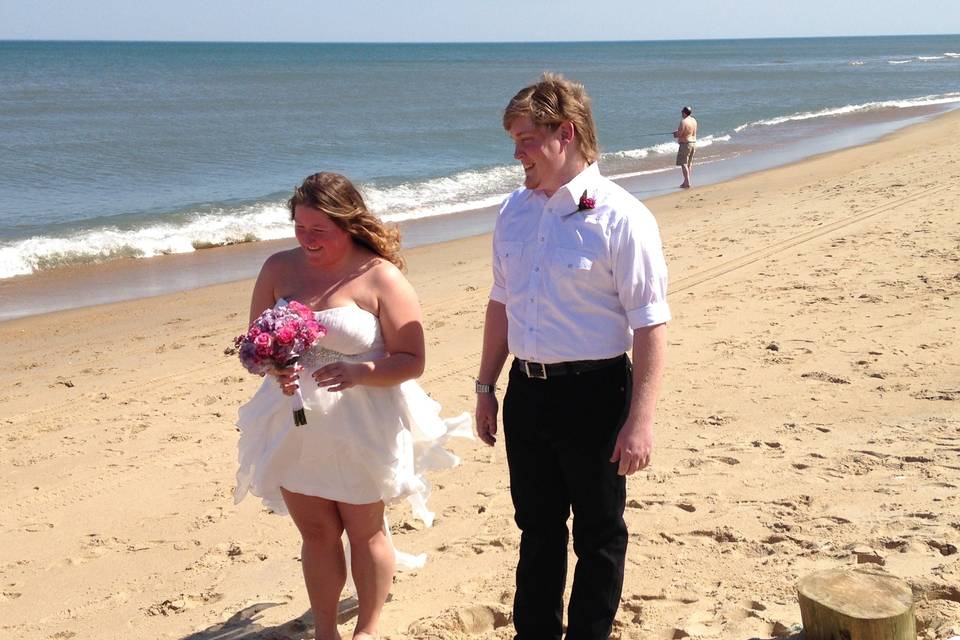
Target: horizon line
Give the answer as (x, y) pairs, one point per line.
(470, 42)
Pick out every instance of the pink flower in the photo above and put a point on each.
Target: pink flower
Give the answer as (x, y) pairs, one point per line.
(301, 309)
(312, 330)
(286, 334)
(586, 203)
(277, 337)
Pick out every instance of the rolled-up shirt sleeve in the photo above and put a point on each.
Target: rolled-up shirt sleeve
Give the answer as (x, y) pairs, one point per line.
(640, 270)
(498, 292)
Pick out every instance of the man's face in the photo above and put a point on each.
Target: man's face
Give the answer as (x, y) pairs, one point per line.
(540, 151)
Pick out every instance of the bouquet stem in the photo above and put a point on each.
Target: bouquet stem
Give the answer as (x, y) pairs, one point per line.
(299, 416)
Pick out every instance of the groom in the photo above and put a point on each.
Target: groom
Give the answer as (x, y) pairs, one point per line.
(579, 278)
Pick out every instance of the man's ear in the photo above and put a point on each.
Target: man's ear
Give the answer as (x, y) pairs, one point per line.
(567, 132)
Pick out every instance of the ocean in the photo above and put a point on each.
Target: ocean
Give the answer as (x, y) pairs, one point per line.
(120, 149)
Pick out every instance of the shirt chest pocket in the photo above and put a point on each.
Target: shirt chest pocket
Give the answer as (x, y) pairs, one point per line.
(511, 258)
(572, 263)
(510, 253)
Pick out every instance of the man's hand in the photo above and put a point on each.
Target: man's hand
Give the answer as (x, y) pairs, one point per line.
(634, 447)
(486, 414)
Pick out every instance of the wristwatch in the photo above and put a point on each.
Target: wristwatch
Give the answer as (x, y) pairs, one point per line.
(484, 388)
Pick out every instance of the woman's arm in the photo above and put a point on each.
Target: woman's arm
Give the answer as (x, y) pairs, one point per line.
(263, 298)
(264, 290)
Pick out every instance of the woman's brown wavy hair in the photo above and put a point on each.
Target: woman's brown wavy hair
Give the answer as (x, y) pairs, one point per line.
(336, 196)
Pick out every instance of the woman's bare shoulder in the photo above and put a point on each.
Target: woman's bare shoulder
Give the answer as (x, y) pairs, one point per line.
(382, 272)
(280, 261)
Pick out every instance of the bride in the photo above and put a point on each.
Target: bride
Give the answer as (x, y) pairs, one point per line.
(371, 431)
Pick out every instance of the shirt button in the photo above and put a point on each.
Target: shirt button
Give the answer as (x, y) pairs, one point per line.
(537, 269)
(541, 238)
(531, 299)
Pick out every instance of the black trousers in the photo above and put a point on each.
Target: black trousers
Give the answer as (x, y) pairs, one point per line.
(560, 433)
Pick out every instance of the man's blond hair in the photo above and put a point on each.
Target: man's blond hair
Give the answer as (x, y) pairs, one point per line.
(551, 102)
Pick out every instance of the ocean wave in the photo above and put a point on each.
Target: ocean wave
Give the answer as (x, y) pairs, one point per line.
(245, 224)
(922, 101)
(462, 191)
(663, 148)
(948, 54)
(855, 63)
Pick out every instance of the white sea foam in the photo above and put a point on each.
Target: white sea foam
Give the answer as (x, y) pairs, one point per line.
(633, 174)
(664, 148)
(264, 222)
(948, 54)
(856, 63)
(462, 191)
(922, 101)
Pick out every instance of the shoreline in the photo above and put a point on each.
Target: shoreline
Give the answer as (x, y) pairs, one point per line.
(135, 278)
(809, 419)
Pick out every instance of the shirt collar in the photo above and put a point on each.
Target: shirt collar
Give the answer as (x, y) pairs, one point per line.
(568, 196)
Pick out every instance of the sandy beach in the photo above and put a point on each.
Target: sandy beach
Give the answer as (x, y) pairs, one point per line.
(810, 419)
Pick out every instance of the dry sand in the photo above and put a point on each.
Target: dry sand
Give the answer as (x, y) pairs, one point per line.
(810, 419)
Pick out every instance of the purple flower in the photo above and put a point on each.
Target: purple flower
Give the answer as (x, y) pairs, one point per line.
(278, 337)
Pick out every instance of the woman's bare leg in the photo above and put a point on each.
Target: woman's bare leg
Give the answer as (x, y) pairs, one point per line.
(372, 560)
(324, 569)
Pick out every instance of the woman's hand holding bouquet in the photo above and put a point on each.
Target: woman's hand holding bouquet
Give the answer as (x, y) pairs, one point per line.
(273, 344)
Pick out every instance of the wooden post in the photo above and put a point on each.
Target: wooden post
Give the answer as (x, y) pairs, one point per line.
(856, 604)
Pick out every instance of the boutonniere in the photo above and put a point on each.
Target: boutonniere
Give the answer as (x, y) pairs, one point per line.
(586, 202)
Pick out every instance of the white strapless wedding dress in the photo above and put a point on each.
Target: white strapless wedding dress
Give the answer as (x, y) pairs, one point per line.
(360, 445)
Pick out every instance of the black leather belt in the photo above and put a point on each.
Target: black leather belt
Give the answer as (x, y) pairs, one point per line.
(543, 371)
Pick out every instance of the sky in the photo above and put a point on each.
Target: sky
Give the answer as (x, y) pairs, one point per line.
(467, 20)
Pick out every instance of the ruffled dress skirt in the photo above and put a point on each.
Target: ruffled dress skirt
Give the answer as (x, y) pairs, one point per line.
(359, 446)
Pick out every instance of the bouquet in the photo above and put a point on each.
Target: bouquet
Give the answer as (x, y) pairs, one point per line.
(276, 340)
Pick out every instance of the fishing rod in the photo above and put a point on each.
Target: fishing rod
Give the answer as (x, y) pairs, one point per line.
(665, 133)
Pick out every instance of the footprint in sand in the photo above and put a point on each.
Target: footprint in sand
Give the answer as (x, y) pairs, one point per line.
(725, 460)
(475, 619)
(182, 603)
(483, 545)
(823, 376)
(715, 420)
(635, 610)
(720, 534)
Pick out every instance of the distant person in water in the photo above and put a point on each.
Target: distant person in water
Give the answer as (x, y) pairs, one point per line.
(686, 135)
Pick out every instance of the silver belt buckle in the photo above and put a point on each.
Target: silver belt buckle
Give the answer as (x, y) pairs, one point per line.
(539, 370)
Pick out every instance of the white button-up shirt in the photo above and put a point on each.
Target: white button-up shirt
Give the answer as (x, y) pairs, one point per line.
(576, 283)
